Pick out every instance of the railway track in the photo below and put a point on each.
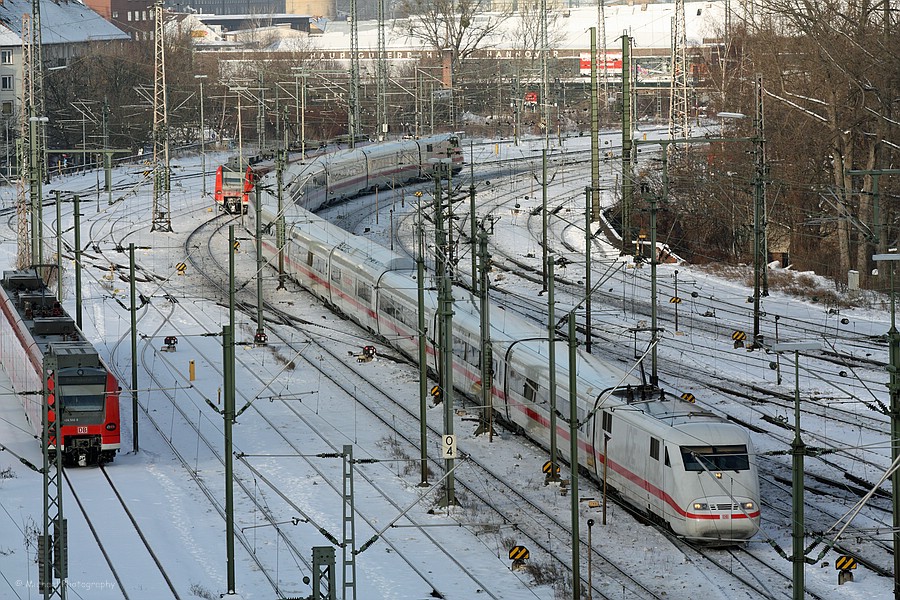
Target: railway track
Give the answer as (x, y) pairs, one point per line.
(134, 564)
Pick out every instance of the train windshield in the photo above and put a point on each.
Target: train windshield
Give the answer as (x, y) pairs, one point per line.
(234, 179)
(715, 458)
(84, 392)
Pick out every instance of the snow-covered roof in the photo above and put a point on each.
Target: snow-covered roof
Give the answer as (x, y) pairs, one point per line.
(62, 22)
(648, 24)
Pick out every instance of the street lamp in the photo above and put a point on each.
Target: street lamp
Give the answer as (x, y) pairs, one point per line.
(200, 78)
(893, 369)
(798, 451)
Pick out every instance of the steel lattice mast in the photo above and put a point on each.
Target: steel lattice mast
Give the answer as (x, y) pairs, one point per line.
(353, 112)
(679, 126)
(23, 236)
(161, 216)
(381, 77)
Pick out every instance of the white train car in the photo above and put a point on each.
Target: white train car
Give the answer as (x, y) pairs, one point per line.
(682, 465)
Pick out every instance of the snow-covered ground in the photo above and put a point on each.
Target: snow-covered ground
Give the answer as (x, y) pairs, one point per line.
(174, 484)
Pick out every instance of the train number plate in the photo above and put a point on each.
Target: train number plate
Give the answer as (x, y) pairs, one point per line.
(82, 430)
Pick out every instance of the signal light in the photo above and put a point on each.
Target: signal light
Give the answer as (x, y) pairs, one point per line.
(110, 426)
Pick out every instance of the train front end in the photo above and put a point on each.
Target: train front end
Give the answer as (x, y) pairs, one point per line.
(87, 395)
(233, 187)
(718, 490)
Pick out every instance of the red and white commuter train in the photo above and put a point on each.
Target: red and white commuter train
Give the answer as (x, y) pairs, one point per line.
(83, 393)
(679, 463)
(339, 175)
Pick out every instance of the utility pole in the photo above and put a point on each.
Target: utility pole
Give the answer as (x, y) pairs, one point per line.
(52, 549)
(573, 459)
(553, 475)
(76, 207)
(280, 239)
(260, 338)
(24, 201)
(893, 368)
(594, 205)
(487, 361)
(627, 145)
(349, 529)
(200, 78)
(588, 285)
(161, 218)
(381, 78)
(423, 342)
(798, 452)
(760, 249)
(228, 415)
(544, 217)
(679, 122)
(353, 110)
(545, 110)
(134, 363)
(445, 334)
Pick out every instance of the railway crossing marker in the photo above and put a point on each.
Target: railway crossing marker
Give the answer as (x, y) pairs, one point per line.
(518, 554)
(845, 565)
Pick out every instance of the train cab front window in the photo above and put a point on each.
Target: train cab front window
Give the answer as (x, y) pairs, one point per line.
(83, 392)
(715, 458)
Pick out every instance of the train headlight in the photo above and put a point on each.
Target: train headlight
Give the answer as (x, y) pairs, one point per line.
(110, 426)
(701, 506)
(748, 506)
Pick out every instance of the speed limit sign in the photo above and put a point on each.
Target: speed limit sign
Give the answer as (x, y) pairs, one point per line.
(449, 446)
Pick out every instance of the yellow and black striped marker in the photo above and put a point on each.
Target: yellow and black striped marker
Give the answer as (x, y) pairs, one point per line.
(518, 553)
(845, 563)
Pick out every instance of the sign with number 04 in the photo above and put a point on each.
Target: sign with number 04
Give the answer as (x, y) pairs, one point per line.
(449, 446)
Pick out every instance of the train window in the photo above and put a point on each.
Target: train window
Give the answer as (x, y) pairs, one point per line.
(668, 464)
(715, 458)
(607, 422)
(388, 307)
(309, 258)
(364, 291)
(530, 391)
(654, 448)
(336, 275)
(429, 148)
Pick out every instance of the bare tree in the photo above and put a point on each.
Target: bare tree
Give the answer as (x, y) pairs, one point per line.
(460, 26)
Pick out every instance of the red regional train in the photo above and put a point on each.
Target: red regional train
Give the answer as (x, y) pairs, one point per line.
(343, 174)
(85, 395)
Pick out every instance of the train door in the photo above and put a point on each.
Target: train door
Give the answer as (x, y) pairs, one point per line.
(602, 436)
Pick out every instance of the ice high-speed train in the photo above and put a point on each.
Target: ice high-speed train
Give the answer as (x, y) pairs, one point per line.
(338, 175)
(677, 462)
